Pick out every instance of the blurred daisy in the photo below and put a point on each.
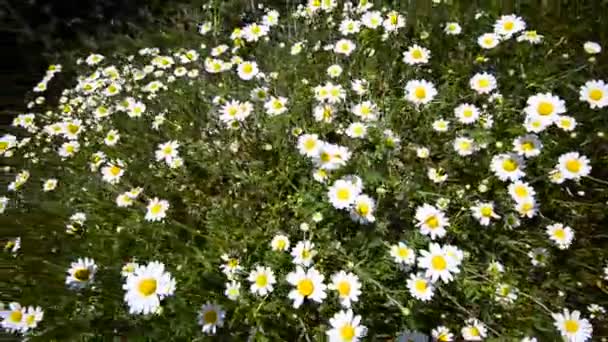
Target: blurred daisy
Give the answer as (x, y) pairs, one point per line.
(420, 287)
(538, 256)
(356, 130)
(210, 318)
(81, 273)
(484, 212)
(342, 193)
(393, 22)
(483, 83)
(12, 320)
(309, 145)
(431, 221)
(334, 71)
(565, 122)
(452, 28)
(416, 55)
(308, 285)
(437, 175)
(276, 106)
(521, 191)
(474, 330)
(464, 146)
(572, 327)
(348, 287)
(156, 209)
(442, 334)
(528, 145)
(49, 185)
(372, 19)
(349, 26)
(562, 236)
(488, 40)
(128, 269)
(420, 91)
(346, 327)
(402, 254)
(231, 265)
(111, 138)
(505, 293)
(595, 93)
(367, 111)
(146, 287)
(573, 165)
(507, 166)
(233, 290)
(507, 25)
(262, 280)
(545, 107)
(112, 172)
(280, 243)
(247, 70)
(303, 252)
(362, 210)
(441, 125)
(592, 48)
(437, 263)
(167, 151)
(32, 316)
(466, 113)
(531, 37)
(344, 47)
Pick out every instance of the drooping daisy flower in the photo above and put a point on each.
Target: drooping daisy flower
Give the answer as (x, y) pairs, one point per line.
(359, 86)
(303, 252)
(280, 243)
(528, 145)
(452, 28)
(344, 47)
(420, 287)
(402, 254)
(464, 146)
(210, 318)
(573, 165)
(442, 334)
(595, 93)
(81, 273)
(437, 263)
(262, 280)
(474, 330)
(483, 83)
(147, 286)
(508, 166)
(342, 193)
(572, 327)
(545, 107)
(507, 25)
(362, 210)
(420, 91)
(484, 212)
(233, 290)
(12, 320)
(156, 209)
(346, 327)
(561, 235)
(348, 287)
(307, 285)
(247, 70)
(466, 113)
(488, 40)
(416, 55)
(431, 221)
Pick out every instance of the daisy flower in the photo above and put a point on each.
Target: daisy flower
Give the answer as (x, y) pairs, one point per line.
(112, 172)
(483, 83)
(324, 113)
(32, 316)
(505, 294)
(572, 327)
(111, 138)
(359, 86)
(362, 209)
(420, 91)
(565, 123)
(521, 191)
(466, 113)
(231, 265)
(262, 280)
(402, 254)
(344, 47)
(474, 330)
(464, 146)
(573, 165)
(488, 40)
(441, 125)
(334, 71)
(442, 334)
(247, 70)
(484, 212)
(280, 243)
(527, 208)
(167, 151)
(545, 107)
(68, 149)
(528, 145)
(81, 273)
(592, 48)
(562, 236)
(508, 166)
(276, 105)
(367, 111)
(431, 221)
(437, 175)
(12, 320)
(538, 256)
(452, 28)
(356, 130)
(349, 26)
(146, 287)
(416, 55)
(393, 22)
(49, 185)
(303, 252)
(307, 285)
(348, 287)
(156, 209)
(342, 193)
(531, 37)
(507, 25)
(346, 327)
(420, 287)
(372, 19)
(437, 263)
(211, 317)
(128, 269)
(595, 93)
(233, 290)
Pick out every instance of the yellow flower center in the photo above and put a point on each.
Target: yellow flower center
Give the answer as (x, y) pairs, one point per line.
(210, 317)
(571, 326)
(596, 94)
(306, 287)
(277, 105)
(403, 252)
(82, 274)
(420, 285)
(3, 145)
(573, 165)
(474, 331)
(343, 194)
(467, 113)
(545, 108)
(509, 165)
(483, 83)
(394, 19)
(147, 286)
(248, 68)
(526, 207)
(325, 157)
(521, 191)
(465, 145)
(358, 130)
(115, 170)
(305, 253)
(438, 262)
(30, 319)
(261, 280)
(432, 222)
(347, 332)
(15, 316)
(156, 208)
(281, 244)
(363, 209)
(417, 54)
(486, 212)
(527, 146)
(310, 144)
(420, 93)
(344, 289)
(560, 234)
(566, 123)
(488, 41)
(70, 149)
(233, 263)
(508, 26)
(365, 110)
